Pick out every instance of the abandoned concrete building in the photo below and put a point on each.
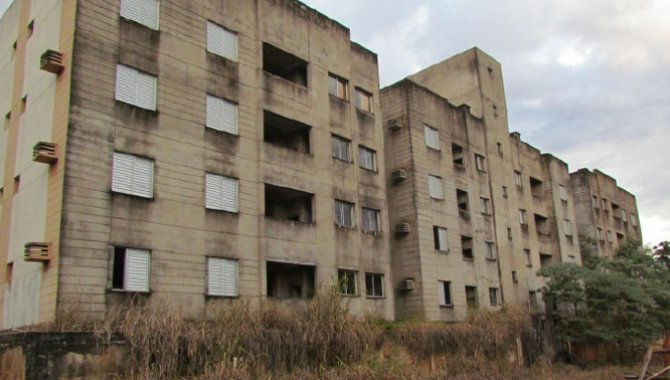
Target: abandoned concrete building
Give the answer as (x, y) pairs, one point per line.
(216, 152)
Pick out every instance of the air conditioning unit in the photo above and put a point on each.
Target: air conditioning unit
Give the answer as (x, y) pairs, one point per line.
(402, 228)
(398, 176)
(406, 284)
(37, 252)
(45, 152)
(52, 61)
(394, 124)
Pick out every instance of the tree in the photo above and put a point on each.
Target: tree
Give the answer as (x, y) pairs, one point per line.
(623, 300)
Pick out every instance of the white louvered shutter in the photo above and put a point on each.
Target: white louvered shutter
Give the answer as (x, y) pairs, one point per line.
(145, 12)
(143, 177)
(230, 45)
(122, 173)
(563, 193)
(222, 277)
(221, 115)
(145, 88)
(137, 270)
(436, 187)
(221, 41)
(432, 137)
(221, 193)
(126, 77)
(442, 241)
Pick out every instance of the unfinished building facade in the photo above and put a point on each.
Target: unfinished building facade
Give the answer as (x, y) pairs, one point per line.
(202, 152)
(606, 214)
(476, 211)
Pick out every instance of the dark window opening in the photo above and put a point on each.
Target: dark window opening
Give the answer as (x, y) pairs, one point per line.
(286, 133)
(288, 204)
(457, 152)
(286, 65)
(471, 296)
(542, 225)
(286, 281)
(463, 203)
(545, 260)
(347, 282)
(466, 244)
(536, 187)
(119, 268)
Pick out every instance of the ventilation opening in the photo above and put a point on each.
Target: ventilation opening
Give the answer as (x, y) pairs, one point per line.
(285, 281)
(466, 244)
(285, 133)
(288, 204)
(457, 152)
(286, 65)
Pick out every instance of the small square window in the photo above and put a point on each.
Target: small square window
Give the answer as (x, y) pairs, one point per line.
(132, 175)
(348, 282)
(221, 41)
(222, 277)
(374, 284)
(221, 115)
(444, 289)
(490, 251)
(135, 87)
(363, 100)
(341, 148)
(338, 87)
(221, 193)
(344, 213)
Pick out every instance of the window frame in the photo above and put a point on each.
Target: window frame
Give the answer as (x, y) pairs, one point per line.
(480, 163)
(139, 15)
(343, 280)
(429, 133)
(340, 211)
(440, 238)
(360, 98)
(377, 220)
(337, 151)
(336, 84)
(118, 181)
(126, 74)
(363, 160)
(370, 291)
(225, 51)
(523, 217)
(475, 304)
(208, 282)
(527, 256)
(485, 205)
(211, 202)
(518, 179)
(444, 293)
(435, 187)
(494, 297)
(216, 104)
(491, 253)
(125, 287)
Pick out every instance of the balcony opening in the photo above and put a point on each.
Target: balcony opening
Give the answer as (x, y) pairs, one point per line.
(288, 204)
(286, 65)
(463, 203)
(536, 187)
(457, 152)
(286, 281)
(545, 260)
(286, 133)
(542, 225)
(466, 244)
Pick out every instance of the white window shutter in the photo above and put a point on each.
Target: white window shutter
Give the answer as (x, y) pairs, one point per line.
(122, 173)
(130, 9)
(221, 41)
(442, 239)
(229, 45)
(145, 12)
(440, 289)
(126, 78)
(146, 91)
(435, 187)
(143, 177)
(221, 193)
(222, 277)
(229, 117)
(563, 192)
(137, 270)
(221, 115)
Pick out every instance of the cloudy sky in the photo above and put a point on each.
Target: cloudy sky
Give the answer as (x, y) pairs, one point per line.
(588, 81)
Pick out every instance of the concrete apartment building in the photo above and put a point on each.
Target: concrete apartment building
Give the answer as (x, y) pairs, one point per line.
(203, 152)
(477, 211)
(606, 213)
(214, 152)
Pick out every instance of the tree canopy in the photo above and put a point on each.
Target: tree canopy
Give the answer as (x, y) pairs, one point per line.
(625, 299)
